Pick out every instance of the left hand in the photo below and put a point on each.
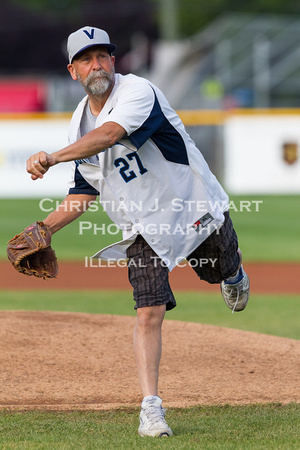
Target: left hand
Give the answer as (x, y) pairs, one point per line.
(30, 252)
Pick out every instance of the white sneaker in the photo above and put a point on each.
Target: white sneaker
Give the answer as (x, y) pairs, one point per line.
(236, 295)
(152, 418)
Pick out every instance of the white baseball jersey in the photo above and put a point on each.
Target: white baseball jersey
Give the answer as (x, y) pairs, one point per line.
(155, 181)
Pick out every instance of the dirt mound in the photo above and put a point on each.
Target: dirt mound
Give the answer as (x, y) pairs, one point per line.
(67, 361)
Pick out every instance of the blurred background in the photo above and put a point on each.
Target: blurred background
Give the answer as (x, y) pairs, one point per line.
(231, 70)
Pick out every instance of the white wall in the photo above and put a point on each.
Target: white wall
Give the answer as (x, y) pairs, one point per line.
(19, 139)
(253, 152)
(254, 156)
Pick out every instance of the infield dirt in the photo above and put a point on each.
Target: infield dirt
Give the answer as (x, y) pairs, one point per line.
(273, 278)
(68, 361)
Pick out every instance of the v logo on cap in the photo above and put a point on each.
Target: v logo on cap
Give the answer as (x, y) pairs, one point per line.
(90, 35)
(77, 42)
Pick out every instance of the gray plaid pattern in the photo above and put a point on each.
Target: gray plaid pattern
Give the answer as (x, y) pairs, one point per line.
(149, 277)
(221, 247)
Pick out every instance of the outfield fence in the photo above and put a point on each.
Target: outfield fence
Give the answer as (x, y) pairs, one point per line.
(250, 151)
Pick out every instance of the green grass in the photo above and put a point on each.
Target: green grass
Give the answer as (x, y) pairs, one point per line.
(270, 234)
(212, 427)
(269, 314)
(70, 243)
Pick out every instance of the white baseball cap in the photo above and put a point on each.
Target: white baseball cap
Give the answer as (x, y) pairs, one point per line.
(87, 37)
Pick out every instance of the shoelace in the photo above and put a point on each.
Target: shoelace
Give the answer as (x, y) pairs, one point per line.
(238, 289)
(155, 414)
(237, 299)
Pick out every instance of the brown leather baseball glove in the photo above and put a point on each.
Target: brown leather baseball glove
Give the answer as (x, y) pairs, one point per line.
(30, 252)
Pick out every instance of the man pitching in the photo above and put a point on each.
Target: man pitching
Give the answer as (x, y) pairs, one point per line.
(128, 145)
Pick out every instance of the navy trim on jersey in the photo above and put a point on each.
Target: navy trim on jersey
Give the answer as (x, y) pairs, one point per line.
(81, 185)
(157, 128)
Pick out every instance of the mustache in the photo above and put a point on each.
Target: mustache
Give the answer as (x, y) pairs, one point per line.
(97, 82)
(102, 74)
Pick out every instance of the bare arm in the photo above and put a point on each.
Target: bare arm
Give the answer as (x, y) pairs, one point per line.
(92, 143)
(69, 210)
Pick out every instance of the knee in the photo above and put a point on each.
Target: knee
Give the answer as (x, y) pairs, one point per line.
(151, 316)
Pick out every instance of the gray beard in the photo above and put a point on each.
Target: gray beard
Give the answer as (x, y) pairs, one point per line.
(97, 83)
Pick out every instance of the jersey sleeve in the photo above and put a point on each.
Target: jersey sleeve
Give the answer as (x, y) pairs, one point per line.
(138, 112)
(78, 184)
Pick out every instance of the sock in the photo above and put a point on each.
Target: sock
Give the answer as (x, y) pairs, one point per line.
(150, 400)
(236, 278)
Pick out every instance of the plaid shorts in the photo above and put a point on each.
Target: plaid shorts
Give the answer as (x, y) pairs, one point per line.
(216, 258)
(213, 261)
(148, 276)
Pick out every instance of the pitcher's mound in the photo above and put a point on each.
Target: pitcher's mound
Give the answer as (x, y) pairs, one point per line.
(67, 361)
